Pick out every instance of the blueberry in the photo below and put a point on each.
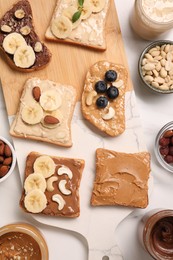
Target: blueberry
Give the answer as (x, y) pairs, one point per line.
(102, 102)
(111, 75)
(101, 86)
(112, 92)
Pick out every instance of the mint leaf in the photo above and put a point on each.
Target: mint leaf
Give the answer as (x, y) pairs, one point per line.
(80, 2)
(76, 16)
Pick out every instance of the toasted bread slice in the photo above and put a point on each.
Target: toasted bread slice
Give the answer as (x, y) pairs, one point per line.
(109, 119)
(16, 30)
(45, 112)
(121, 179)
(60, 190)
(88, 32)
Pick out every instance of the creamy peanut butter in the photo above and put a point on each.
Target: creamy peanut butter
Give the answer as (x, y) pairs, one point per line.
(19, 246)
(90, 31)
(121, 179)
(61, 133)
(116, 124)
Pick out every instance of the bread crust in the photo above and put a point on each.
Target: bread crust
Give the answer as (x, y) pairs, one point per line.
(77, 166)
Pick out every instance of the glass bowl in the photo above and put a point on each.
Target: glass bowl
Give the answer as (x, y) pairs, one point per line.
(13, 238)
(12, 166)
(142, 56)
(159, 156)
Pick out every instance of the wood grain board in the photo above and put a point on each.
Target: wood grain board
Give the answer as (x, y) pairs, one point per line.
(69, 63)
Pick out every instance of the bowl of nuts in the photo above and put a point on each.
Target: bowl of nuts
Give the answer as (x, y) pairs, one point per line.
(7, 159)
(164, 146)
(156, 66)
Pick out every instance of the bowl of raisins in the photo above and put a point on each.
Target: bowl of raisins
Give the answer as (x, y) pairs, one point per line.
(164, 146)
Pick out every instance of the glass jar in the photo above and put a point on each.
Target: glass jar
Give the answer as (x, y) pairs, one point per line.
(146, 25)
(156, 233)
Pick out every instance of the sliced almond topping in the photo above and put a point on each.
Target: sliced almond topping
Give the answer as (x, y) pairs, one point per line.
(19, 13)
(25, 30)
(38, 47)
(5, 28)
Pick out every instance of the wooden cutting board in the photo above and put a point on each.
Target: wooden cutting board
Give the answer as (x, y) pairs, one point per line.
(69, 63)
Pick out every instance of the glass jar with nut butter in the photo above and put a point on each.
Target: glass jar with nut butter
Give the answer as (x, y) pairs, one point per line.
(151, 18)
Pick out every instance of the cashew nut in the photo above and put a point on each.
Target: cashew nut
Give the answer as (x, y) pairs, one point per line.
(63, 189)
(109, 115)
(118, 84)
(90, 96)
(50, 182)
(59, 199)
(65, 170)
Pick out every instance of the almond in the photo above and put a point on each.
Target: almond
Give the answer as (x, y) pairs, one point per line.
(2, 147)
(168, 133)
(51, 120)
(3, 170)
(7, 161)
(36, 92)
(7, 151)
(1, 159)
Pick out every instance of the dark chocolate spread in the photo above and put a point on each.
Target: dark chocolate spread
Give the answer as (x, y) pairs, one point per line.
(162, 237)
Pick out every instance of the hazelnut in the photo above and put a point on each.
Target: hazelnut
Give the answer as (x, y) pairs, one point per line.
(164, 141)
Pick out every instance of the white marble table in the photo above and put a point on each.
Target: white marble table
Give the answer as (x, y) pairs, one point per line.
(155, 111)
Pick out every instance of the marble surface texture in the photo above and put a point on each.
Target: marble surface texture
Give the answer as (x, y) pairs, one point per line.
(155, 111)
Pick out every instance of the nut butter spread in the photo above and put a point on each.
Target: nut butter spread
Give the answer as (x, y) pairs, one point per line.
(64, 104)
(61, 200)
(116, 124)
(162, 237)
(17, 245)
(13, 21)
(121, 179)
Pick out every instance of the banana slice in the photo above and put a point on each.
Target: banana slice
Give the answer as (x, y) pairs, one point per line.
(61, 27)
(12, 41)
(57, 114)
(50, 100)
(35, 181)
(24, 56)
(86, 11)
(97, 5)
(35, 201)
(45, 166)
(32, 114)
(69, 12)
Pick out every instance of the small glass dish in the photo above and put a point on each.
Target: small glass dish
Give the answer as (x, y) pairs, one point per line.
(23, 239)
(159, 156)
(142, 56)
(13, 155)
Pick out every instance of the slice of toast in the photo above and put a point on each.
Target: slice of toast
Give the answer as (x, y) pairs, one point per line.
(19, 42)
(88, 30)
(45, 112)
(121, 179)
(111, 118)
(59, 190)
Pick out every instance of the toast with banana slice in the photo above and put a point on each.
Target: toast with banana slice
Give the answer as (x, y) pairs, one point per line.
(80, 22)
(45, 112)
(19, 42)
(51, 185)
(103, 98)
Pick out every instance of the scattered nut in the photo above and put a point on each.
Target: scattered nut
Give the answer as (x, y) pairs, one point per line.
(90, 97)
(38, 47)
(50, 182)
(5, 28)
(59, 199)
(36, 92)
(118, 84)
(109, 115)
(51, 120)
(65, 170)
(63, 189)
(25, 30)
(19, 13)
